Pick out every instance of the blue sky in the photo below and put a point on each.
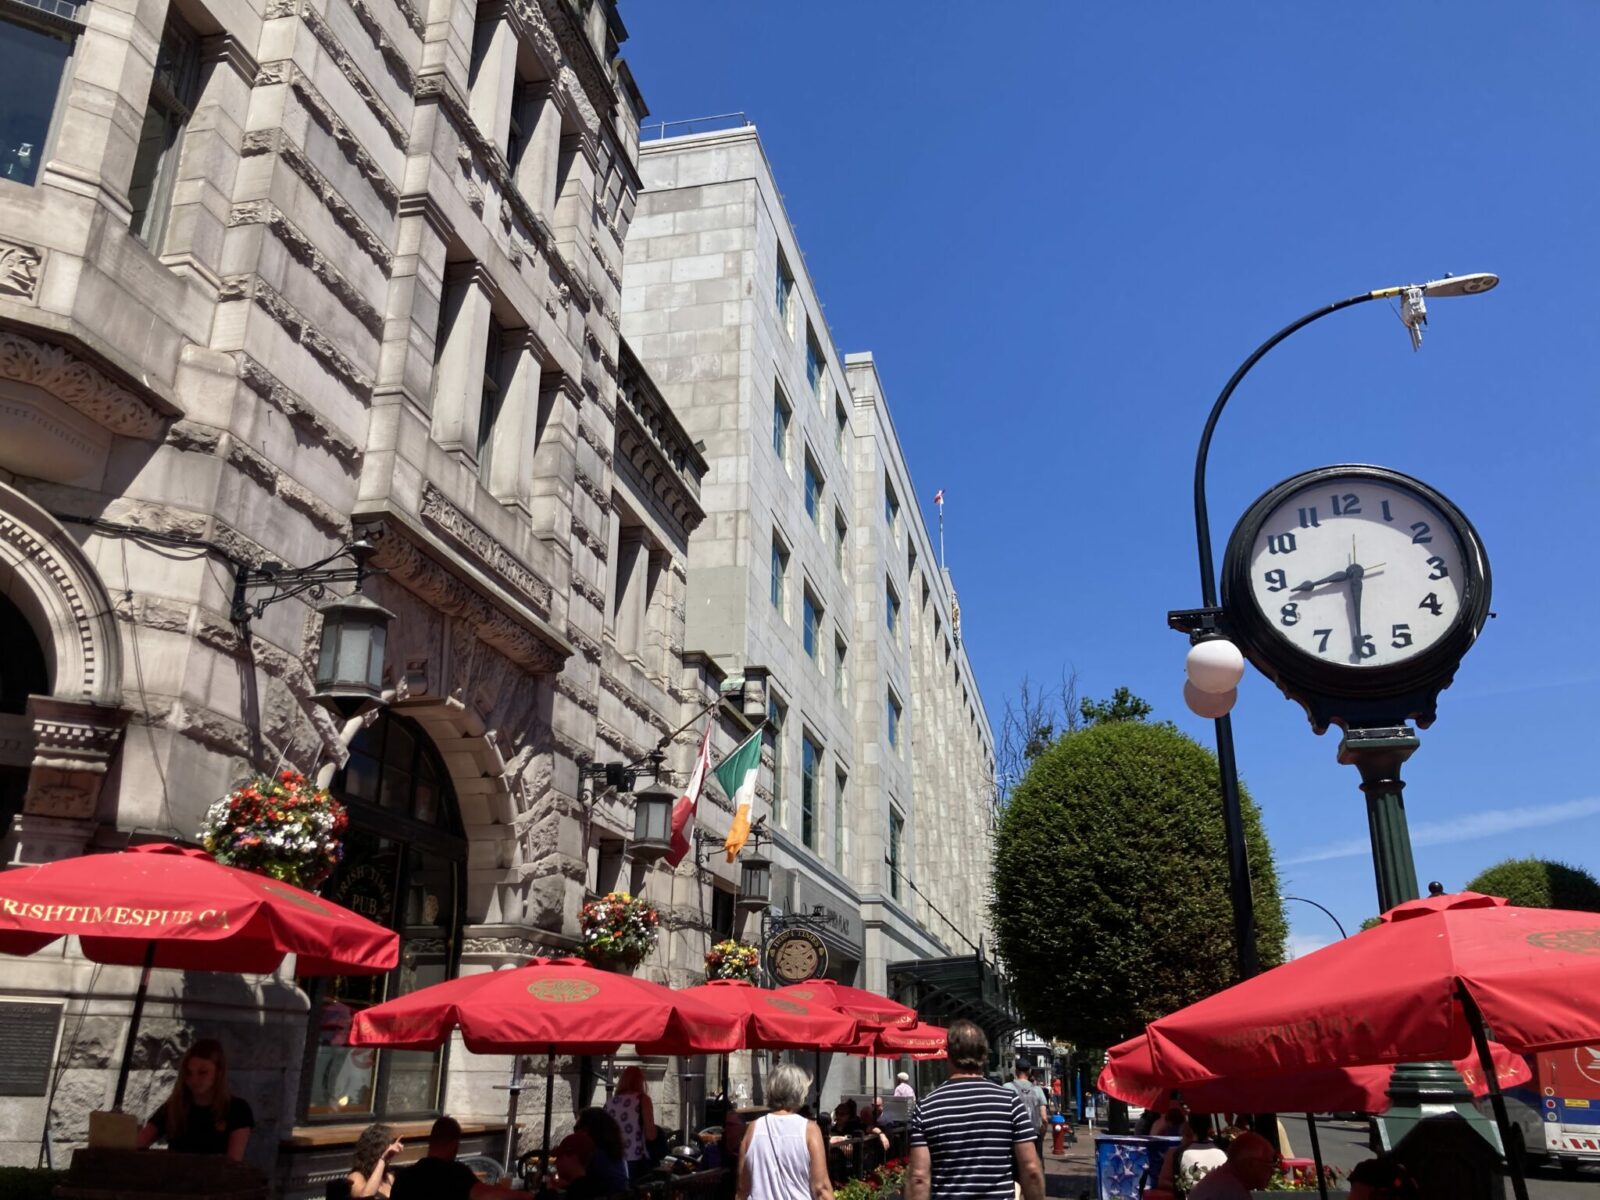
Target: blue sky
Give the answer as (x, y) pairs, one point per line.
(1061, 226)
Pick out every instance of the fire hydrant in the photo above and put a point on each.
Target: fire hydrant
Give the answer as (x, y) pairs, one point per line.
(1058, 1134)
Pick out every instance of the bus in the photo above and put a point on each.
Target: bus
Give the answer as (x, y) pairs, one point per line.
(1557, 1112)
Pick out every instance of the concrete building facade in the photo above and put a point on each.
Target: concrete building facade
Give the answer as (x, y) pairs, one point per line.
(814, 567)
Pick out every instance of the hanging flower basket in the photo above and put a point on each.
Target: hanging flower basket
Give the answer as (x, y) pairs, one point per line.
(733, 959)
(283, 826)
(618, 930)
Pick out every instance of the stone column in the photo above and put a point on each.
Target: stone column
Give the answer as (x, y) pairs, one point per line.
(516, 432)
(555, 458)
(73, 744)
(495, 79)
(537, 169)
(459, 359)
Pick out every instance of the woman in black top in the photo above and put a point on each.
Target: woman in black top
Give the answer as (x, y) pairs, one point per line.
(201, 1116)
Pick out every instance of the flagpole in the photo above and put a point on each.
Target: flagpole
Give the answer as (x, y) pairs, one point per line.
(941, 529)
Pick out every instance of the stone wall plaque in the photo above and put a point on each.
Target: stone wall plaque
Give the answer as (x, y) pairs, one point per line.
(27, 1047)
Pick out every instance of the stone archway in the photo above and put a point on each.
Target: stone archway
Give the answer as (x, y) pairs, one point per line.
(74, 728)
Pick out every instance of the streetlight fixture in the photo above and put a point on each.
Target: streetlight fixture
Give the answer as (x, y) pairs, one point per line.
(350, 659)
(1212, 685)
(652, 816)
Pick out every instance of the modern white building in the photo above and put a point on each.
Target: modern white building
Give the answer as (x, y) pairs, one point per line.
(814, 568)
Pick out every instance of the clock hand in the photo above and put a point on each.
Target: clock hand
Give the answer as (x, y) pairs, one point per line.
(1336, 577)
(1354, 575)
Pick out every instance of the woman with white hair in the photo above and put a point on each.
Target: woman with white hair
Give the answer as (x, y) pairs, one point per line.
(783, 1156)
(903, 1088)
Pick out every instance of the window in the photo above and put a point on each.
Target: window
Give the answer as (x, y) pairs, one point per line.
(810, 769)
(814, 485)
(785, 293)
(891, 609)
(172, 97)
(781, 415)
(404, 867)
(490, 396)
(780, 573)
(841, 824)
(841, 541)
(891, 510)
(636, 567)
(897, 832)
(776, 713)
(841, 420)
(722, 913)
(814, 364)
(33, 59)
(841, 669)
(812, 626)
(893, 717)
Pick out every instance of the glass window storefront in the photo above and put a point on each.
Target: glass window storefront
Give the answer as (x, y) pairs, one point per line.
(403, 867)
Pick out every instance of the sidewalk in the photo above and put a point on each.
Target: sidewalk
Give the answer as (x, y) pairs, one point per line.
(1070, 1176)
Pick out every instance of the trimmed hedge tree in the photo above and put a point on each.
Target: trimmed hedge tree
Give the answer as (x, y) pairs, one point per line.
(1110, 903)
(1540, 883)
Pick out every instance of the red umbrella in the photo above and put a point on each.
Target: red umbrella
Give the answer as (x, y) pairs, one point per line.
(869, 1008)
(771, 1021)
(1130, 1076)
(1414, 988)
(167, 906)
(921, 1041)
(161, 905)
(553, 1005)
(559, 1005)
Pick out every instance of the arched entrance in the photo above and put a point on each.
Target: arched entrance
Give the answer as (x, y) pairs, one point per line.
(23, 673)
(404, 866)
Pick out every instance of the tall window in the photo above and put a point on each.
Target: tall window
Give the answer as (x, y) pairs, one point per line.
(892, 716)
(404, 866)
(891, 609)
(776, 713)
(841, 668)
(841, 824)
(172, 97)
(813, 483)
(33, 57)
(785, 294)
(810, 769)
(841, 421)
(490, 396)
(812, 627)
(891, 510)
(897, 832)
(782, 414)
(780, 573)
(841, 541)
(814, 364)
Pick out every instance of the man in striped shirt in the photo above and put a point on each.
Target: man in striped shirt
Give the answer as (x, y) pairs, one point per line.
(970, 1137)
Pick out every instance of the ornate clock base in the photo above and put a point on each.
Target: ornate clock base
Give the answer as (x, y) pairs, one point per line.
(1378, 754)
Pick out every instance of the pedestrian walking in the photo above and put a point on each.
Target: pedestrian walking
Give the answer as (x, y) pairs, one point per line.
(903, 1088)
(631, 1109)
(971, 1138)
(783, 1156)
(1033, 1099)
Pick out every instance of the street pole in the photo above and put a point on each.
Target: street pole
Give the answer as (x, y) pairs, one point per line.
(1378, 754)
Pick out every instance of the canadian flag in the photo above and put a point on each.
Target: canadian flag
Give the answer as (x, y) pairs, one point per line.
(938, 497)
(683, 811)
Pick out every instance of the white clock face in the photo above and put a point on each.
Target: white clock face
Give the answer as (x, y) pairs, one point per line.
(1357, 572)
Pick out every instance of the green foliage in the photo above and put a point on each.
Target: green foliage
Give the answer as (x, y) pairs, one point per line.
(1110, 901)
(1540, 883)
(1371, 923)
(1123, 706)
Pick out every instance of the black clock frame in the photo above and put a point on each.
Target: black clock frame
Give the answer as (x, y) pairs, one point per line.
(1337, 693)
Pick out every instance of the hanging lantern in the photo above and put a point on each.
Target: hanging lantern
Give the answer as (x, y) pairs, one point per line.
(652, 821)
(755, 883)
(354, 638)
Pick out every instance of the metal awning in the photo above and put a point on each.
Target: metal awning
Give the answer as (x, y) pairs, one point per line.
(947, 989)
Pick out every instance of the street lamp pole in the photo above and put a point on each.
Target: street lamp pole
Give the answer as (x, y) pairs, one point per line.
(1205, 623)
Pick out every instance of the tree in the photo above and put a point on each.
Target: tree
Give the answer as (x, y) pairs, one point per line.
(1123, 706)
(1540, 883)
(1110, 900)
(1031, 724)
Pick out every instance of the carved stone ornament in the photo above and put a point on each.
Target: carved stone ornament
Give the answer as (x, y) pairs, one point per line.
(19, 269)
(76, 383)
(487, 549)
(73, 745)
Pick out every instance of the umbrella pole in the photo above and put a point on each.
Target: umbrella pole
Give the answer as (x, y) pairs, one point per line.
(515, 1090)
(133, 1024)
(1316, 1155)
(1491, 1077)
(549, 1089)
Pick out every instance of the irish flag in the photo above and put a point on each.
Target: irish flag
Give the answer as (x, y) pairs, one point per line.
(736, 776)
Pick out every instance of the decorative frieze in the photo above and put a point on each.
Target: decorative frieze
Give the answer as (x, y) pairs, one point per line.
(284, 72)
(277, 141)
(74, 382)
(493, 554)
(301, 414)
(304, 251)
(19, 269)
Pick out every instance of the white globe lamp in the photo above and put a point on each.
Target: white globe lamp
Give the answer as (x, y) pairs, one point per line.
(1209, 704)
(1214, 665)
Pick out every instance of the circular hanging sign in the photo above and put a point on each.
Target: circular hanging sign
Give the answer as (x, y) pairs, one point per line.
(795, 955)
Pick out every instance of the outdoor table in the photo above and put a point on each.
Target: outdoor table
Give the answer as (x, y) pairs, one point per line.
(157, 1175)
(700, 1185)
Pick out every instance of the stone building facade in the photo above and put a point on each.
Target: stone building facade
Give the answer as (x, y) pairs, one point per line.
(274, 277)
(814, 567)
